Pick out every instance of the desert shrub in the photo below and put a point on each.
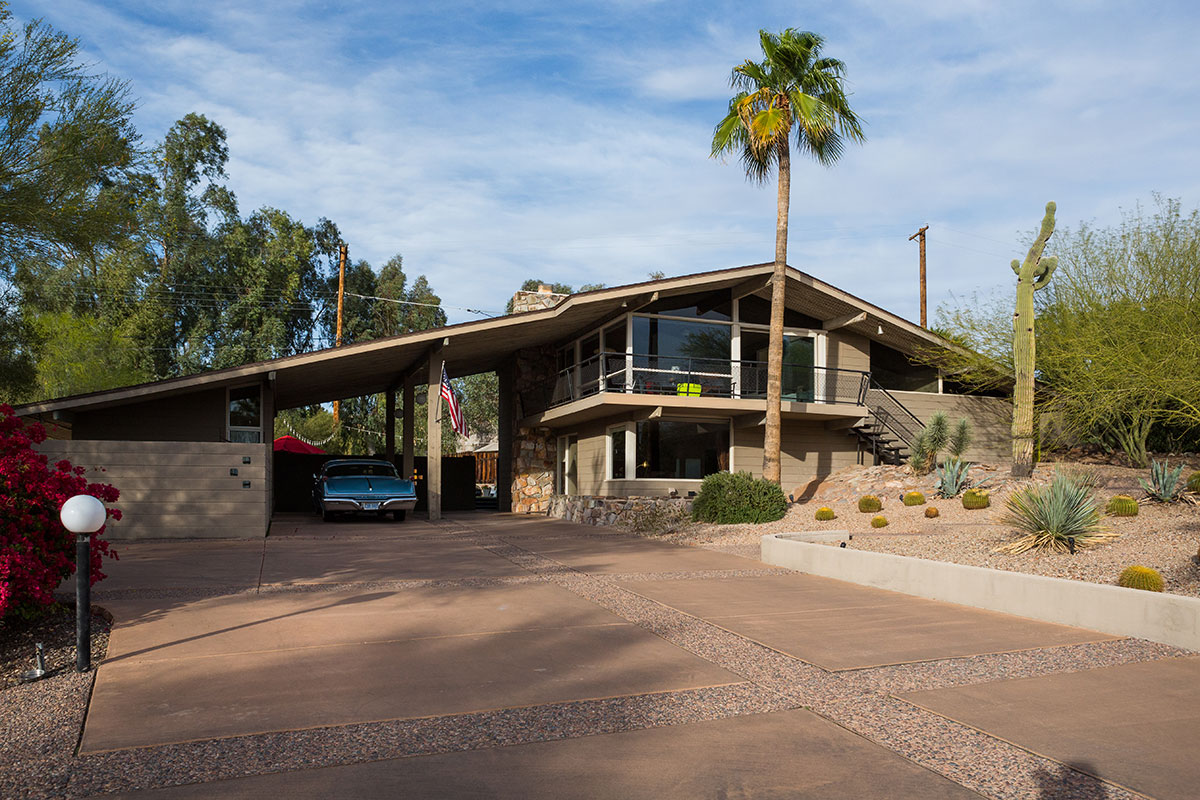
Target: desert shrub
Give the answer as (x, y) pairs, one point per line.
(1122, 505)
(869, 504)
(729, 498)
(1048, 515)
(824, 514)
(953, 477)
(1164, 481)
(879, 522)
(1139, 577)
(931, 512)
(913, 499)
(36, 551)
(975, 499)
(1193, 482)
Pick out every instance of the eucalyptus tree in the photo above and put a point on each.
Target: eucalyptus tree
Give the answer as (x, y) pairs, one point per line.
(794, 89)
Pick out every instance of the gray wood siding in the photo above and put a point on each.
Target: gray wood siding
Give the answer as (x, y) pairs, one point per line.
(808, 450)
(177, 489)
(991, 419)
(848, 351)
(198, 417)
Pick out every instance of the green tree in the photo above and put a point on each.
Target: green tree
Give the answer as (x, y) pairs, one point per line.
(794, 88)
(67, 148)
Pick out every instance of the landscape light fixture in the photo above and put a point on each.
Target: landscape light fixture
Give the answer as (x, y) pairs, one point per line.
(83, 515)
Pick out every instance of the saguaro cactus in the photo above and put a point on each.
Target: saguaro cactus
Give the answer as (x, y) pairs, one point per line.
(1032, 275)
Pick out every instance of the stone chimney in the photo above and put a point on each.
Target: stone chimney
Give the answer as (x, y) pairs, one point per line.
(544, 297)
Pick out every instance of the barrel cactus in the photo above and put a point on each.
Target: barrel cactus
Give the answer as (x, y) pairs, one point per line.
(824, 514)
(976, 498)
(931, 512)
(1193, 482)
(869, 504)
(1139, 577)
(1122, 505)
(879, 521)
(913, 498)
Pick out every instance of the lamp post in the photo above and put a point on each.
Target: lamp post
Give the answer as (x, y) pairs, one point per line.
(83, 515)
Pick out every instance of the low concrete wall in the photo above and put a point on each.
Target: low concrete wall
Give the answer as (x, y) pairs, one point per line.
(1167, 618)
(177, 489)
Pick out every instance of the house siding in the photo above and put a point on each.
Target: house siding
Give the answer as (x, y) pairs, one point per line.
(194, 417)
(991, 419)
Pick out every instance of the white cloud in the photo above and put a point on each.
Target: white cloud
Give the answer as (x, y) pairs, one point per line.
(572, 144)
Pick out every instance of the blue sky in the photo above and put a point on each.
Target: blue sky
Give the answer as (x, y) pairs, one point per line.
(492, 142)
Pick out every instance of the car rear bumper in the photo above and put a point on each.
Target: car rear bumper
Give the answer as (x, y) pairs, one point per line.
(389, 504)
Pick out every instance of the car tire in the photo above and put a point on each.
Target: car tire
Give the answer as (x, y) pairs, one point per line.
(398, 516)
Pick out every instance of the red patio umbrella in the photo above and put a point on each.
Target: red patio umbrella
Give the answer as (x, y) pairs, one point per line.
(290, 444)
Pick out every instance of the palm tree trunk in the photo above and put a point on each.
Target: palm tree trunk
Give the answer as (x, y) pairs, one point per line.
(771, 437)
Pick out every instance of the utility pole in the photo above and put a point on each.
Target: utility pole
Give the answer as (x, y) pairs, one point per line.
(919, 234)
(342, 248)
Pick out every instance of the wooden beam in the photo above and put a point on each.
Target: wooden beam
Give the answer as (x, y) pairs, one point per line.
(433, 448)
(756, 284)
(841, 322)
(629, 306)
(389, 424)
(407, 433)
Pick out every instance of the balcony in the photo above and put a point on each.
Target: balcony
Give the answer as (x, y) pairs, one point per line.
(696, 384)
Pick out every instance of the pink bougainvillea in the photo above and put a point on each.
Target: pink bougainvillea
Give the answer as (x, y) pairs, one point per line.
(36, 551)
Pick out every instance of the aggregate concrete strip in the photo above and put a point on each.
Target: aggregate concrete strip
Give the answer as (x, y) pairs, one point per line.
(858, 699)
(219, 759)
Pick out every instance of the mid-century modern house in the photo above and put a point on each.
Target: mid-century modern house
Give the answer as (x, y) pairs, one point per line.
(638, 390)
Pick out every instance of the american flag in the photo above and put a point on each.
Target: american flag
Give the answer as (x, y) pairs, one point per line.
(456, 416)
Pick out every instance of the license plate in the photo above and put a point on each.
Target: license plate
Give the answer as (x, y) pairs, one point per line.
(370, 506)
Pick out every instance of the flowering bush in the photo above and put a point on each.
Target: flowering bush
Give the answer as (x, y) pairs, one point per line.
(36, 551)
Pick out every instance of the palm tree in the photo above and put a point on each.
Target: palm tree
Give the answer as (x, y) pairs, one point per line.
(794, 88)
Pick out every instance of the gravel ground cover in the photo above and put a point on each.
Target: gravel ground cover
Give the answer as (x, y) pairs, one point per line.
(41, 722)
(1163, 536)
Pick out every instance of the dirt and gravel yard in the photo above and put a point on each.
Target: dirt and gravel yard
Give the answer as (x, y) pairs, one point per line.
(1163, 536)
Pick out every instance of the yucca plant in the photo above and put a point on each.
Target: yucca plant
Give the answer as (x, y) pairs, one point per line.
(952, 477)
(1164, 481)
(1050, 514)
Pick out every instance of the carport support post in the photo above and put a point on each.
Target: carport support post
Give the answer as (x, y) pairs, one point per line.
(389, 424)
(407, 433)
(433, 449)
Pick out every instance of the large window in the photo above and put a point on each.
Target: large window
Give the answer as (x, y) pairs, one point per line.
(894, 370)
(678, 449)
(799, 357)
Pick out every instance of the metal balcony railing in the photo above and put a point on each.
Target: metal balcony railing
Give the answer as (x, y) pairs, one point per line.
(703, 377)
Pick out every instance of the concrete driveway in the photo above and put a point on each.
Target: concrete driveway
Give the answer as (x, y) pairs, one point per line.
(502, 656)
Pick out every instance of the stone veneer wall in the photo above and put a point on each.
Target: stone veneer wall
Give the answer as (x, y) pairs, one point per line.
(535, 301)
(603, 510)
(534, 450)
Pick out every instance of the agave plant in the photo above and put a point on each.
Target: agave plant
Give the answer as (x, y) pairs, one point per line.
(1164, 481)
(1049, 515)
(952, 477)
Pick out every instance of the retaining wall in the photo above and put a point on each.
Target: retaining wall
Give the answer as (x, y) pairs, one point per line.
(1167, 618)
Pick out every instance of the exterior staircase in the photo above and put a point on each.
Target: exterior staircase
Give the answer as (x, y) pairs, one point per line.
(889, 429)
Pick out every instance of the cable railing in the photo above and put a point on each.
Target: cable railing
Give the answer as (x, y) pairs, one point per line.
(703, 377)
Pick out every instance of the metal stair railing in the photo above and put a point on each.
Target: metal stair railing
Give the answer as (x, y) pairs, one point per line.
(892, 415)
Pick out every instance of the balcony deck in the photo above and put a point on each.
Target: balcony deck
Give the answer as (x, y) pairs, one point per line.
(658, 385)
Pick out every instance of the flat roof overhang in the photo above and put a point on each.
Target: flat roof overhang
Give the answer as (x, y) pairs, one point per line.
(619, 404)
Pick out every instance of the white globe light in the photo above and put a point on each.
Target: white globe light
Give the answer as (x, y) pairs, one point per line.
(83, 514)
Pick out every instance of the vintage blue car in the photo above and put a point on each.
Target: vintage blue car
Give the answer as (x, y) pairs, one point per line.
(362, 485)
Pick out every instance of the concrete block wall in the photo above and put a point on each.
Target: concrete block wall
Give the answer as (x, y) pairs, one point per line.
(177, 489)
